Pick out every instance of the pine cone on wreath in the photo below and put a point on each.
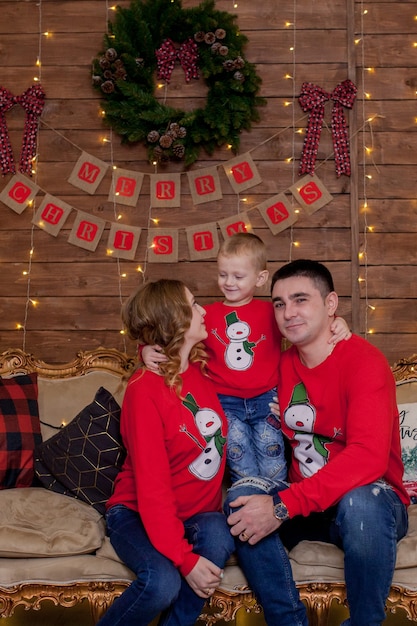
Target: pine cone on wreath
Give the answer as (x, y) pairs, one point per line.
(199, 36)
(229, 65)
(165, 141)
(153, 136)
(111, 54)
(173, 130)
(209, 38)
(239, 77)
(178, 150)
(107, 86)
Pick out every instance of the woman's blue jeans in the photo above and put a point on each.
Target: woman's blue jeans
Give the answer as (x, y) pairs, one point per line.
(255, 444)
(366, 524)
(159, 588)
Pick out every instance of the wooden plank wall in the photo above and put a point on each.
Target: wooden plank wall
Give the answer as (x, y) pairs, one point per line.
(68, 299)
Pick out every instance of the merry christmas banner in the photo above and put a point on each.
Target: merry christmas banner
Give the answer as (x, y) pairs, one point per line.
(279, 212)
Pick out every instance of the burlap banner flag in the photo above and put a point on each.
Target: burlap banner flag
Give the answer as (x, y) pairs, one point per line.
(88, 173)
(125, 187)
(165, 190)
(278, 213)
(162, 245)
(205, 185)
(123, 241)
(311, 194)
(203, 241)
(242, 173)
(19, 192)
(86, 231)
(236, 224)
(51, 215)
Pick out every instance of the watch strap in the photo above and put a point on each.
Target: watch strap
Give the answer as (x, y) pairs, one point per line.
(276, 499)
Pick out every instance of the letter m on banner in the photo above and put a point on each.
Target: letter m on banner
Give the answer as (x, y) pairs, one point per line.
(88, 173)
(237, 224)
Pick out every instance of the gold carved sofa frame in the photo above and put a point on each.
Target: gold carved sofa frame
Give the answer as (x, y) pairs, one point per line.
(318, 568)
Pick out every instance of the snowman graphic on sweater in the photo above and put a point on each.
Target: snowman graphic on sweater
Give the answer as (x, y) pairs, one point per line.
(239, 353)
(209, 424)
(300, 416)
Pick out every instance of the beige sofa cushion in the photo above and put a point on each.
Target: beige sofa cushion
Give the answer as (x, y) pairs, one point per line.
(316, 561)
(64, 570)
(61, 399)
(35, 522)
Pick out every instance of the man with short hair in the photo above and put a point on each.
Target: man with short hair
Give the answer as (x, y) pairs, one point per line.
(339, 414)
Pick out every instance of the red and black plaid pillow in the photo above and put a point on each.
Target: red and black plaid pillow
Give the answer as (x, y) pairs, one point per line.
(19, 430)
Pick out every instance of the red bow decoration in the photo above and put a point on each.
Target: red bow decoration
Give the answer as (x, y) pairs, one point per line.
(32, 101)
(186, 54)
(312, 99)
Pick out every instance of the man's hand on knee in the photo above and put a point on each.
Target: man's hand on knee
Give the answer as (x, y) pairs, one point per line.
(255, 518)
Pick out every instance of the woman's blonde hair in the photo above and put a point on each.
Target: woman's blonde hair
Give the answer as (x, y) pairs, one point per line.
(159, 313)
(246, 243)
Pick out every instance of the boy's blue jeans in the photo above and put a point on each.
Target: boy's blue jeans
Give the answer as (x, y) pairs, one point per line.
(255, 444)
(159, 587)
(366, 524)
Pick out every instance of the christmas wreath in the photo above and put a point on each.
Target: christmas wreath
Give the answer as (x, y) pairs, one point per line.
(143, 44)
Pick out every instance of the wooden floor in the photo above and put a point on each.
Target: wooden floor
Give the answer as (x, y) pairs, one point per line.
(80, 616)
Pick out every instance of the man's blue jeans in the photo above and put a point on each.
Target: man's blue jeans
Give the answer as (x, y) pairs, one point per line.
(366, 524)
(255, 444)
(159, 587)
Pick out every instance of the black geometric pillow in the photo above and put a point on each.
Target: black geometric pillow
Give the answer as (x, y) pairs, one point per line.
(83, 459)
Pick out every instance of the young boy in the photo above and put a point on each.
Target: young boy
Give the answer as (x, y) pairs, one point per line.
(244, 348)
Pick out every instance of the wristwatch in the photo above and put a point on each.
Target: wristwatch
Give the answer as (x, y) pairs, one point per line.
(279, 508)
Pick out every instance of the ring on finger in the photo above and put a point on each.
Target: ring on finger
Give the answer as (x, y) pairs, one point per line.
(243, 536)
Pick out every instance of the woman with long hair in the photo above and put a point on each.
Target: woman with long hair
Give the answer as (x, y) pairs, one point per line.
(164, 518)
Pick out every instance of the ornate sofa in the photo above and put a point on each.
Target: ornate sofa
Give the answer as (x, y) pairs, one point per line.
(53, 547)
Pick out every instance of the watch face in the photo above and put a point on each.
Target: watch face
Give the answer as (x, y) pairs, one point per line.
(281, 511)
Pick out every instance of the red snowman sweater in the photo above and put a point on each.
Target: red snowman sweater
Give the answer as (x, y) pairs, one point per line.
(175, 458)
(244, 348)
(341, 419)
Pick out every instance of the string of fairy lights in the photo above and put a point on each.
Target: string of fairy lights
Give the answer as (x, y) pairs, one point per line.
(116, 213)
(31, 302)
(117, 216)
(293, 25)
(367, 154)
(152, 221)
(367, 161)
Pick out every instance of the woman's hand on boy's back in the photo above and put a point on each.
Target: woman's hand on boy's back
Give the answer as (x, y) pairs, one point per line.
(274, 406)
